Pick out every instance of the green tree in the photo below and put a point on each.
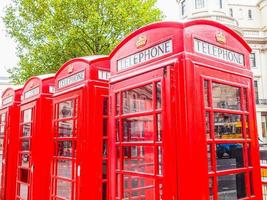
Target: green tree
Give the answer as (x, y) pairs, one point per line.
(49, 33)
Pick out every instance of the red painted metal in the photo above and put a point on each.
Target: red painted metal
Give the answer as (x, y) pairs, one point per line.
(9, 126)
(35, 139)
(162, 145)
(80, 106)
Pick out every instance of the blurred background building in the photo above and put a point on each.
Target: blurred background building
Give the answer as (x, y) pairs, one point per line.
(4, 83)
(249, 20)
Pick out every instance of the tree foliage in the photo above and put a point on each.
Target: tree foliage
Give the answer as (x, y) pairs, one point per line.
(50, 32)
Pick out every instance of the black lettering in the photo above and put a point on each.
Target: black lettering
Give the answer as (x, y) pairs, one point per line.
(154, 52)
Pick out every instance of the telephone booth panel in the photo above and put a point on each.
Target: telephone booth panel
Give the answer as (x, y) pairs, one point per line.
(9, 125)
(80, 135)
(182, 115)
(35, 141)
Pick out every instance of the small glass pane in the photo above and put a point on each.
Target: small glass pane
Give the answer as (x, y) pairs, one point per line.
(2, 129)
(138, 129)
(137, 100)
(206, 93)
(27, 115)
(138, 159)
(227, 126)
(104, 169)
(104, 191)
(64, 189)
(251, 184)
(64, 168)
(24, 159)
(105, 148)
(117, 96)
(160, 160)
(25, 145)
(117, 127)
(105, 106)
(26, 130)
(65, 128)
(225, 96)
(158, 87)
(3, 118)
(105, 127)
(138, 187)
(229, 156)
(66, 109)
(209, 151)
(249, 155)
(245, 99)
(231, 187)
(208, 132)
(211, 185)
(247, 126)
(23, 175)
(159, 128)
(65, 149)
(23, 191)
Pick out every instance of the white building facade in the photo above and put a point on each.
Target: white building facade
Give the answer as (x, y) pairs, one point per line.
(4, 83)
(249, 20)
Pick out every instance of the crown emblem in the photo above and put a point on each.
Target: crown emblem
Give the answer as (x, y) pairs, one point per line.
(141, 41)
(220, 37)
(31, 84)
(70, 69)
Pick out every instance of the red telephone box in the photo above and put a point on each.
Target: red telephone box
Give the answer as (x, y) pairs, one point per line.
(183, 115)
(80, 106)
(35, 139)
(9, 133)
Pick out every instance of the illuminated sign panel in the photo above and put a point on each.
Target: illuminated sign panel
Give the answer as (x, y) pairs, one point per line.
(71, 79)
(145, 55)
(103, 75)
(32, 93)
(218, 52)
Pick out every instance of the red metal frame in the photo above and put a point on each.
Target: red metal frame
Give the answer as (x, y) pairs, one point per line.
(35, 139)
(80, 134)
(9, 117)
(171, 53)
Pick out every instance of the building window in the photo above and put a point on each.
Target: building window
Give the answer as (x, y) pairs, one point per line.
(183, 7)
(249, 14)
(199, 4)
(256, 92)
(252, 60)
(220, 3)
(231, 12)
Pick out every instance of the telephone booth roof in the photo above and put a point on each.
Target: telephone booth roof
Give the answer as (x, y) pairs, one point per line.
(77, 71)
(163, 41)
(10, 96)
(36, 86)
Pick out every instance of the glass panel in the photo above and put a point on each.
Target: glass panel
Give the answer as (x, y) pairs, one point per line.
(117, 127)
(208, 133)
(158, 87)
(3, 118)
(231, 187)
(225, 96)
(160, 160)
(105, 106)
(23, 175)
(1, 145)
(104, 172)
(27, 115)
(117, 96)
(138, 188)
(159, 128)
(26, 130)
(66, 109)
(104, 191)
(138, 129)
(138, 99)
(105, 127)
(138, 159)
(247, 126)
(227, 126)
(211, 188)
(206, 93)
(65, 149)
(24, 159)
(64, 189)
(64, 168)
(105, 148)
(229, 156)
(2, 129)
(251, 184)
(209, 151)
(249, 155)
(245, 99)
(23, 191)
(25, 145)
(65, 128)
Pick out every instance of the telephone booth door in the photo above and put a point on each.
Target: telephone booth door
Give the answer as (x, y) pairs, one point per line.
(138, 110)
(3, 150)
(230, 133)
(25, 167)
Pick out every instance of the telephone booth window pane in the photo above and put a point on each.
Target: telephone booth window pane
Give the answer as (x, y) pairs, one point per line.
(247, 126)
(104, 191)
(25, 145)
(159, 128)
(27, 115)
(105, 106)
(209, 157)
(208, 132)
(65, 128)
(64, 168)
(104, 165)
(24, 175)
(3, 118)
(1, 154)
(138, 129)
(105, 148)
(225, 96)
(117, 127)
(251, 184)
(24, 159)
(137, 100)
(211, 185)
(23, 188)
(66, 109)
(160, 168)
(64, 189)
(227, 126)
(249, 155)
(138, 187)
(229, 156)
(65, 149)
(206, 93)
(139, 159)
(2, 129)
(26, 130)
(245, 99)
(158, 87)
(117, 96)
(105, 127)
(231, 187)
